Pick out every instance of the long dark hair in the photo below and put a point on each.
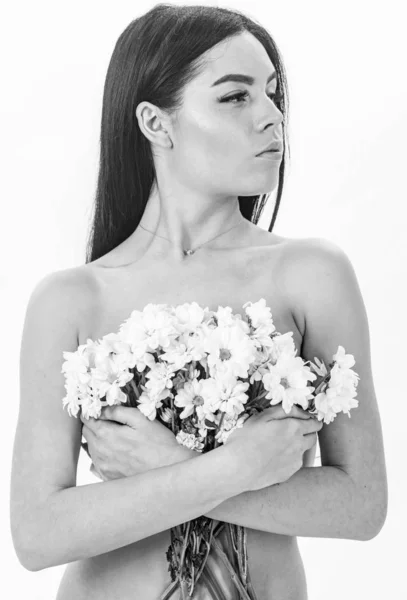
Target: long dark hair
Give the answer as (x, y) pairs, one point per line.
(153, 59)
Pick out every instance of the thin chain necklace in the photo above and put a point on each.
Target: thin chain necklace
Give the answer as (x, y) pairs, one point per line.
(191, 251)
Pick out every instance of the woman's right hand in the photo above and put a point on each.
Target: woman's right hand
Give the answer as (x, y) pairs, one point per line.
(270, 446)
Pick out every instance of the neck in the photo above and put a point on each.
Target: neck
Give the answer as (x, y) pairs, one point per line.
(186, 227)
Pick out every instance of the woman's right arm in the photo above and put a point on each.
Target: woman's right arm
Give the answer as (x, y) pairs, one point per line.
(53, 521)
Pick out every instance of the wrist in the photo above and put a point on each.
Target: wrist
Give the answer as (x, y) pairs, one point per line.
(184, 453)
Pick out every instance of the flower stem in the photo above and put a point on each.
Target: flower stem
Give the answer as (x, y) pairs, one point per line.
(211, 583)
(231, 537)
(170, 590)
(250, 587)
(241, 544)
(321, 383)
(183, 582)
(184, 545)
(235, 579)
(204, 574)
(239, 553)
(207, 553)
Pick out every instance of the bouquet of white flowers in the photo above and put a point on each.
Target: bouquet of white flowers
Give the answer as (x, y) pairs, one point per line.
(202, 373)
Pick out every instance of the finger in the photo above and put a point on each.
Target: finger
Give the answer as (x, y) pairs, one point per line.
(127, 415)
(85, 419)
(91, 423)
(311, 426)
(103, 412)
(111, 413)
(298, 412)
(95, 472)
(91, 442)
(102, 432)
(88, 434)
(277, 412)
(310, 440)
(269, 413)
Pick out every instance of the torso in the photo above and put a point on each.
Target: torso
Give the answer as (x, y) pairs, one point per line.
(139, 571)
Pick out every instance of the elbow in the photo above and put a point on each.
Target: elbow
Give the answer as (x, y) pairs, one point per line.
(373, 518)
(36, 540)
(27, 557)
(32, 557)
(373, 527)
(34, 561)
(25, 542)
(29, 564)
(368, 502)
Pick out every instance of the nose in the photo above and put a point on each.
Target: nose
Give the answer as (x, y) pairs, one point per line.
(276, 116)
(273, 118)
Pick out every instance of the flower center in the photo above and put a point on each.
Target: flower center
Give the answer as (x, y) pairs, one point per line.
(197, 401)
(224, 354)
(284, 382)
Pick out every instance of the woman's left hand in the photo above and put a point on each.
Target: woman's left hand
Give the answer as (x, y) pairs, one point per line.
(123, 442)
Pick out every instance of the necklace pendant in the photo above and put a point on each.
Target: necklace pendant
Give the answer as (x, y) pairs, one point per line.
(188, 252)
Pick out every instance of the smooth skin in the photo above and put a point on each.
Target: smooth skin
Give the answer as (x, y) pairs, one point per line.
(115, 533)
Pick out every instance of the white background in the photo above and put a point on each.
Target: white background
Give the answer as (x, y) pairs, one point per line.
(346, 182)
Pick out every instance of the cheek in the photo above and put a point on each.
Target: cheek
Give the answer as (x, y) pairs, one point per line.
(214, 148)
(209, 139)
(215, 154)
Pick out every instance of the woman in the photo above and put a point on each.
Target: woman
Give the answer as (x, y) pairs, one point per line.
(179, 195)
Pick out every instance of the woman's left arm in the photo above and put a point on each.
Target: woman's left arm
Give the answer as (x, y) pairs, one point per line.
(346, 497)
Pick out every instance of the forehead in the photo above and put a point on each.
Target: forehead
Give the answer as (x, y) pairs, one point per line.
(239, 54)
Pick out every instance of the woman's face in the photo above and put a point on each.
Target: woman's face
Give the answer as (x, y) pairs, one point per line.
(223, 126)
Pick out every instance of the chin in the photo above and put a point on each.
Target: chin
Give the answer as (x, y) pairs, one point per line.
(265, 188)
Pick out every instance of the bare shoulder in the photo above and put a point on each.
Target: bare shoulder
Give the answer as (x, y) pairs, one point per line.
(309, 253)
(306, 264)
(306, 259)
(67, 293)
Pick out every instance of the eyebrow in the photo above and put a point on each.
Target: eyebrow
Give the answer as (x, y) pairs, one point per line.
(241, 78)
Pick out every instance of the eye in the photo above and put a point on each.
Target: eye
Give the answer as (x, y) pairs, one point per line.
(276, 97)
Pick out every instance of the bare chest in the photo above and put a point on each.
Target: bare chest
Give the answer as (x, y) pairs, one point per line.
(228, 280)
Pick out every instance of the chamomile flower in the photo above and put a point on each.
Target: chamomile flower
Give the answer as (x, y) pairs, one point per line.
(287, 382)
(230, 352)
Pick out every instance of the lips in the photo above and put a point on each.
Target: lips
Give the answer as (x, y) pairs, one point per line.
(272, 147)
